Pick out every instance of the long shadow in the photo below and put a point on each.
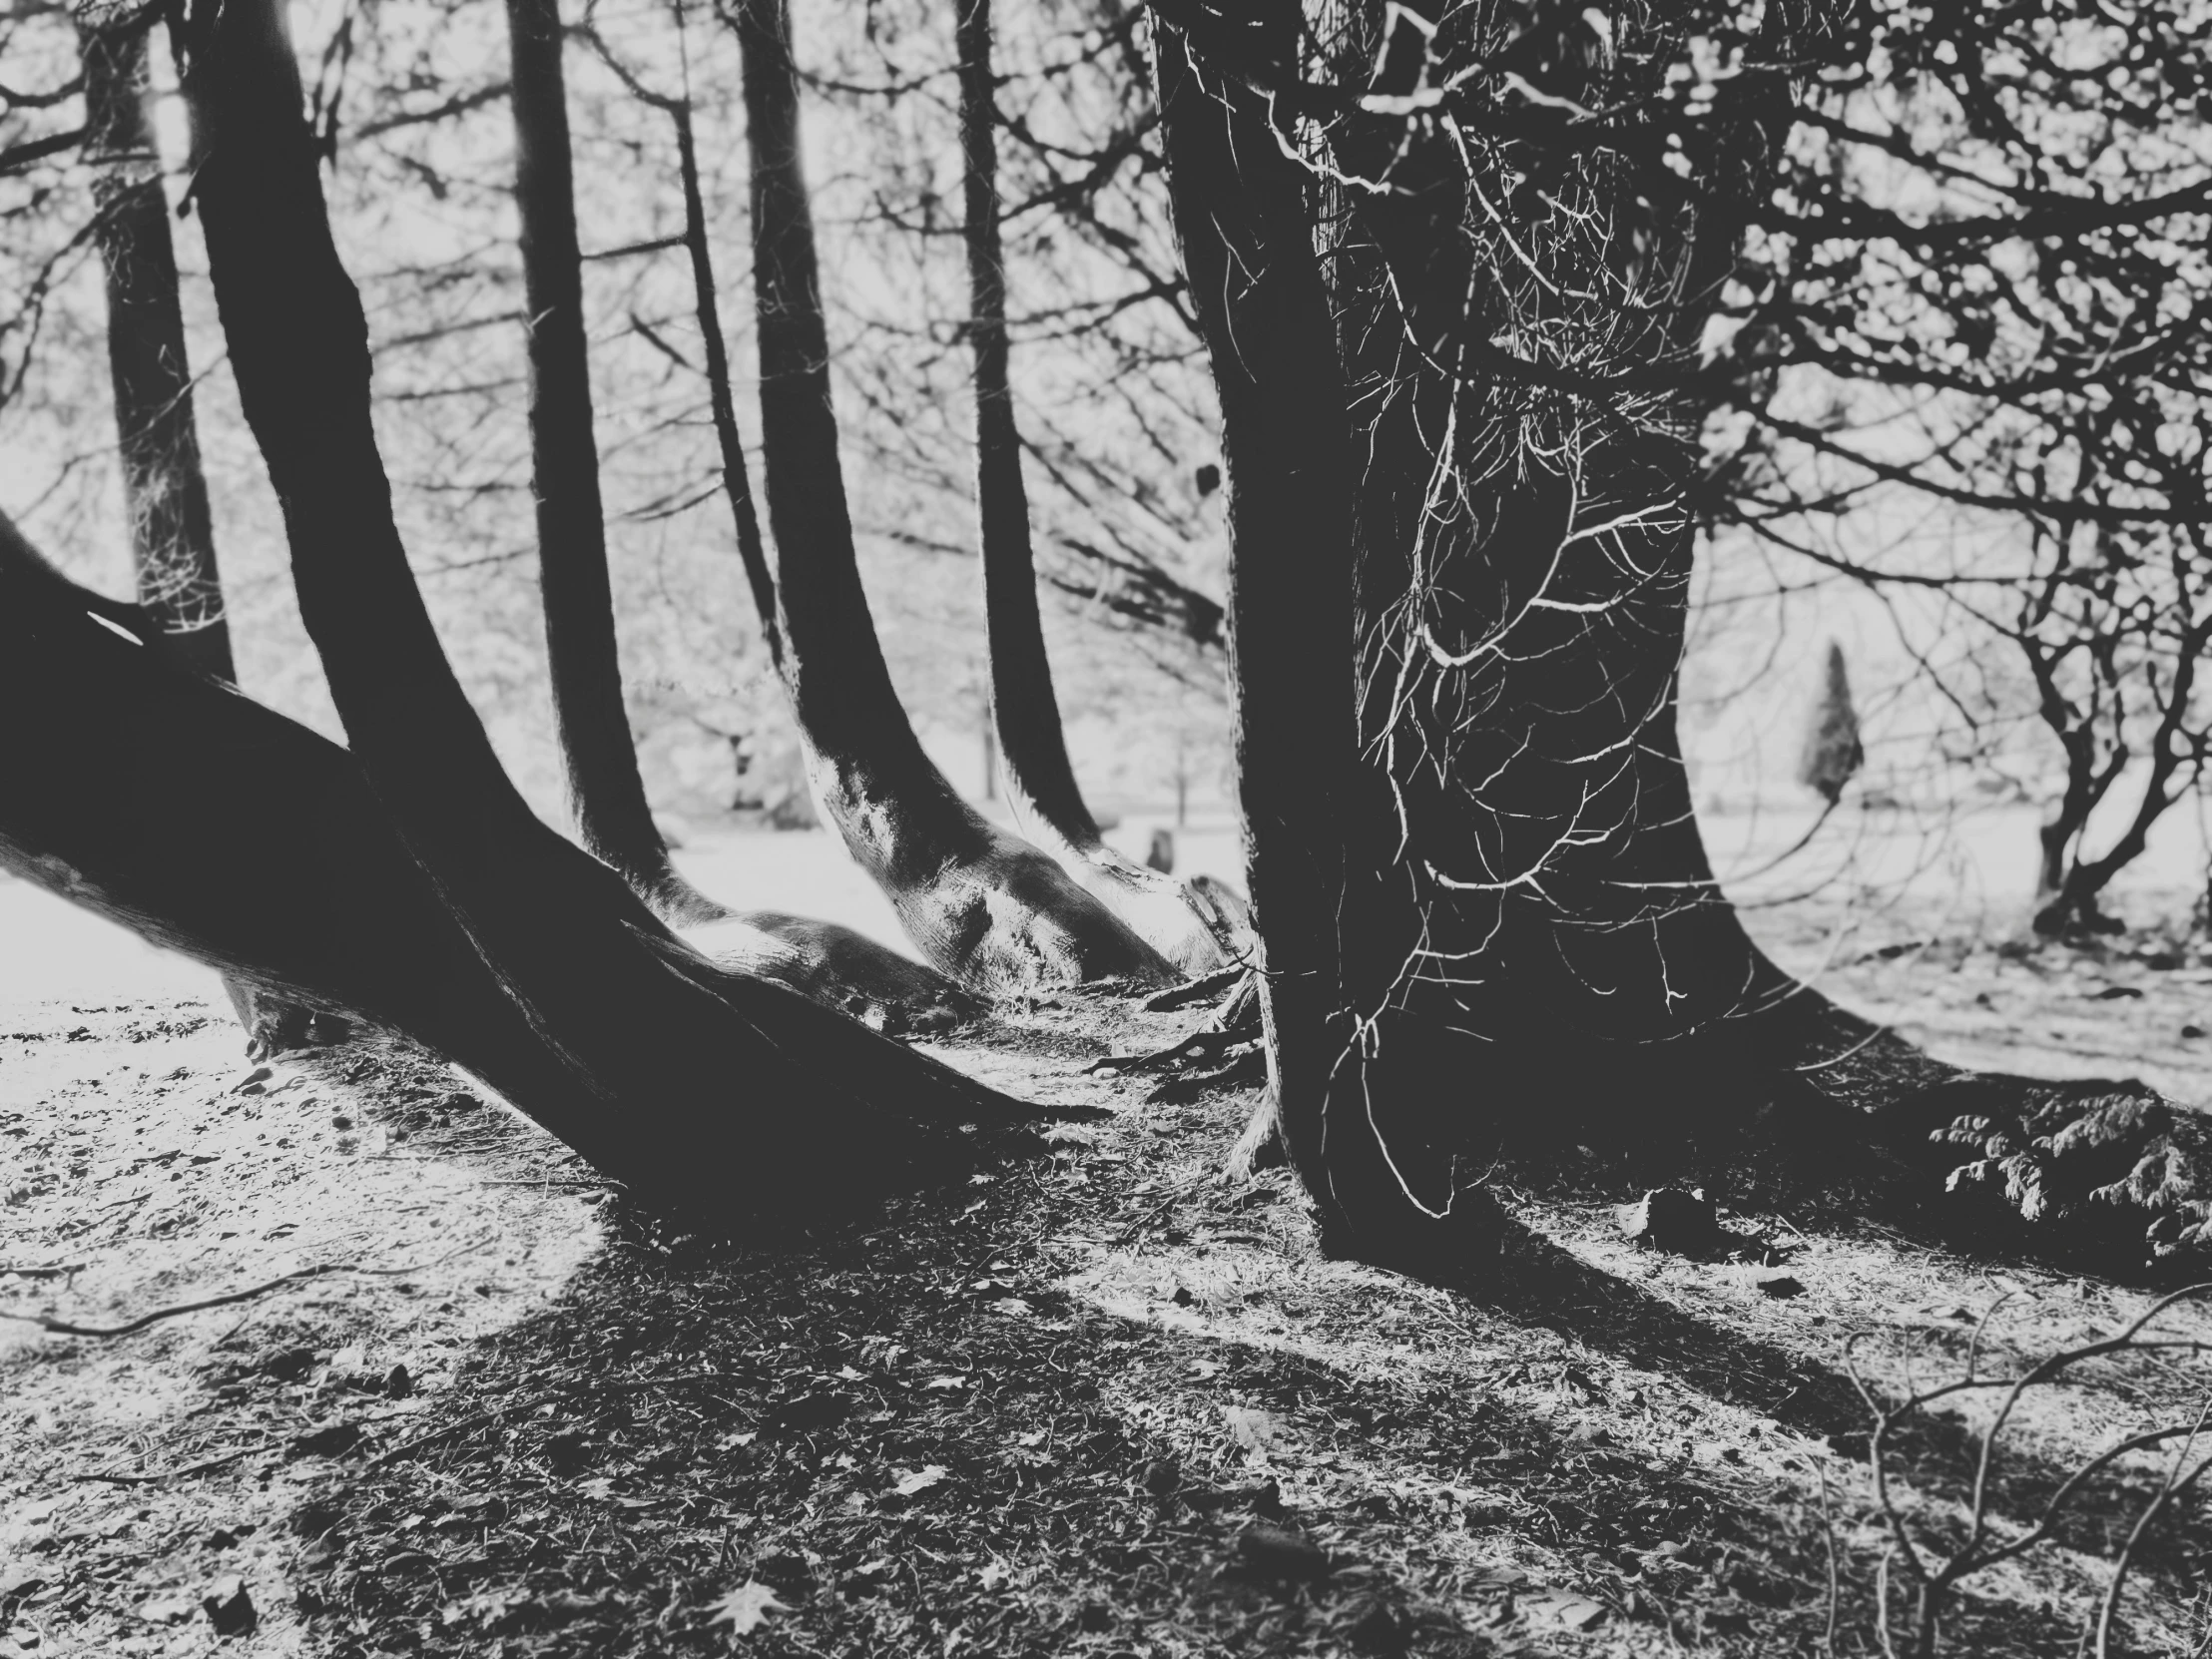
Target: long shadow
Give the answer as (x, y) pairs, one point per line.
(915, 1442)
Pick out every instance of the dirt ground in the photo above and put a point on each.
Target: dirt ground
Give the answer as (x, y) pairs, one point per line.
(1104, 1402)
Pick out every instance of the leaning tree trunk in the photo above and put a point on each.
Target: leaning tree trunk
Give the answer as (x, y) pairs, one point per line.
(983, 905)
(1529, 948)
(165, 488)
(1040, 782)
(220, 828)
(721, 1096)
(606, 791)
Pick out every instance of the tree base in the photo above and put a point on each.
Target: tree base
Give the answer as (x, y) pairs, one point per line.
(839, 968)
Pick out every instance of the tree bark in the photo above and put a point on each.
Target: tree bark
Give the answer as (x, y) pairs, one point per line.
(164, 487)
(981, 904)
(1244, 219)
(1048, 804)
(726, 1098)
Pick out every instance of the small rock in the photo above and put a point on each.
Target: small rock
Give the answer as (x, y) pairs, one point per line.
(1669, 1219)
(1281, 1554)
(1371, 1627)
(230, 1609)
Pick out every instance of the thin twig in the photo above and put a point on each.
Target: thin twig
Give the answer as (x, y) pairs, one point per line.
(173, 1474)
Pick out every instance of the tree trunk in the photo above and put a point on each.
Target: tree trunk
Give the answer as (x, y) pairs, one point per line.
(165, 488)
(1040, 780)
(1488, 917)
(222, 829)
(981, 904)
(1243, 217)
(727, 1098)
(606, 792)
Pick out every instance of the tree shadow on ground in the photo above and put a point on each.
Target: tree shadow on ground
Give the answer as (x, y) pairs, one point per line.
(915, 1440)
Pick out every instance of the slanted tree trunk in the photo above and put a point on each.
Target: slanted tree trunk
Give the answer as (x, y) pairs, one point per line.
(220, 828)
(165, 490)
(606, 792)
(983, 905)
(1497, 927)
(724, 1097)
(1024, 711)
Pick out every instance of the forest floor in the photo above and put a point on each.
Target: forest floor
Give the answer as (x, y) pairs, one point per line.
(1101, 1401)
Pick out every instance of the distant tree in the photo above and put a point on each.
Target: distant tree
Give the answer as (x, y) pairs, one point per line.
(1831, 752)
(1974, 303)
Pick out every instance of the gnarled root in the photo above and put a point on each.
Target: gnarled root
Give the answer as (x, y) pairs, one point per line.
(1179, 919)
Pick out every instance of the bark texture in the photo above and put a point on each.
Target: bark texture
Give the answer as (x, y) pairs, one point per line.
(1243, 216)
(727, 1098)
(1179, 923)
(981, 904)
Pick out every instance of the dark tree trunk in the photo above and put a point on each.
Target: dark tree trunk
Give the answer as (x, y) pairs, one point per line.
(605, 792)
(165, 490)
(724, 1097)
(983, 905)
(224, 830)
(834, 964)
(1243, 216)
(1497, 927)
(1025, 711)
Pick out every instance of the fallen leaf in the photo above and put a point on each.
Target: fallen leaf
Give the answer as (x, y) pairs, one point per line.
(1252, 1427)
(745, 1607)
(1562, 1609)
(919, 1480)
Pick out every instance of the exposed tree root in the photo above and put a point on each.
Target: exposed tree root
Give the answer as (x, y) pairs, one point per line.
(1246, 1067)
(839, 968)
